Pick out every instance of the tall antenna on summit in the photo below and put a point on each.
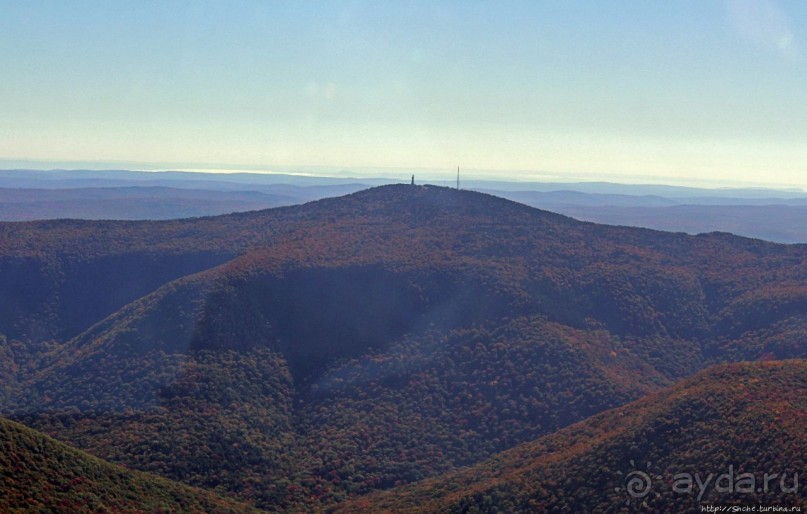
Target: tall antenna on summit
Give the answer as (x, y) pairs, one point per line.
(458, 178)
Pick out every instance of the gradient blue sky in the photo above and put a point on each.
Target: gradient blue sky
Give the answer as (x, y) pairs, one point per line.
(686, 92)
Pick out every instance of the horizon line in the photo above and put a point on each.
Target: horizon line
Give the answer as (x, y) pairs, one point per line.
(385, 173)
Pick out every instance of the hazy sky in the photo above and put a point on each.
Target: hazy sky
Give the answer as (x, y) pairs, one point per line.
(634, 91)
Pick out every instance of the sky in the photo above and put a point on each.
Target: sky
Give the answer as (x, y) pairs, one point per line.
(694, 92)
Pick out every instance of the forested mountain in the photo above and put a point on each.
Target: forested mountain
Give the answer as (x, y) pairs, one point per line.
(660, 454)
(770, 214)
(41, 475)
(302, 356)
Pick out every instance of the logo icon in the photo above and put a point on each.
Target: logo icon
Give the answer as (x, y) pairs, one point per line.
(638, 484)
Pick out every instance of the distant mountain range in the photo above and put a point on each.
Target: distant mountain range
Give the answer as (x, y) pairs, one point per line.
(305, 356)
(774, 215)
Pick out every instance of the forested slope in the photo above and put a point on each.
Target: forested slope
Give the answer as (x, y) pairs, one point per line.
(742, 421)
(39, 474)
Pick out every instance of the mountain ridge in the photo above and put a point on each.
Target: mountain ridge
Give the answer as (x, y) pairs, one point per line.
(546, 475)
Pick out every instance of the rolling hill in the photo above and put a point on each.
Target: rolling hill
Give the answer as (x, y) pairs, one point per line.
(302, 356)
(39, 474)
(663, 453)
